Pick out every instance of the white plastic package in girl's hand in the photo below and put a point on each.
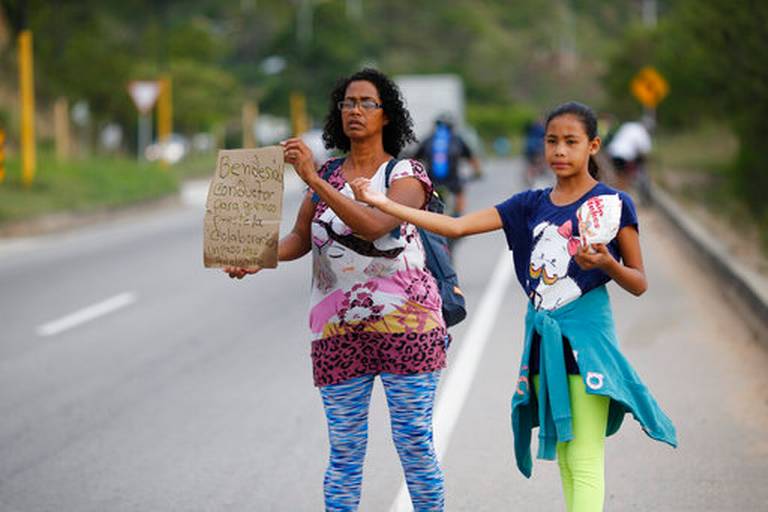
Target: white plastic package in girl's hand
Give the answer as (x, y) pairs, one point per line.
(599, 218)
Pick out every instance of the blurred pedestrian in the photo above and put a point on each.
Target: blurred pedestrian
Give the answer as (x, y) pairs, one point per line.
(574, 382)
(442, 153)
(375, 308)
(629, 148)
(533, 151)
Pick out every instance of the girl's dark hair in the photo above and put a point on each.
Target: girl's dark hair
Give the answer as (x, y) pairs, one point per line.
(397, 133)
(588, 120)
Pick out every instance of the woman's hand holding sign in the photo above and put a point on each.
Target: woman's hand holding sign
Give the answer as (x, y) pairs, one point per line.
(239, 272)
(298, 154)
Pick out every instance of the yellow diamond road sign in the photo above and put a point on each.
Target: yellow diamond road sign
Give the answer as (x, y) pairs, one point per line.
(649, 87)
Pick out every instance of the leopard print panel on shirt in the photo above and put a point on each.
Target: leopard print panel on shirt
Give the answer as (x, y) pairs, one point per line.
(339, 358)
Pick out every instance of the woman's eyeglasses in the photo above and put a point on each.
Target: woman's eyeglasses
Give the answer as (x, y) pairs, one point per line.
(367, 105)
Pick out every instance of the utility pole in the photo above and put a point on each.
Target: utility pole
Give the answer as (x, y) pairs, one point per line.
(650, 18)
(650, 13)
(61, 128)
(164, 109)
(164, 113)
(304, 22)
(355, 10)
(27, 98)
(566, 42)
(299, 120)
(249, 115)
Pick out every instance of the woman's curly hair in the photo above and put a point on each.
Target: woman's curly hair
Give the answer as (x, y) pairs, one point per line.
(397, 133)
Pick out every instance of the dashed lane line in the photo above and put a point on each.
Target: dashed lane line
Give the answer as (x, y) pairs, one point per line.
(87, 314)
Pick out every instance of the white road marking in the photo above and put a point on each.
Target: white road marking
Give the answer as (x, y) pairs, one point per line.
(87, 314)
(464, 366)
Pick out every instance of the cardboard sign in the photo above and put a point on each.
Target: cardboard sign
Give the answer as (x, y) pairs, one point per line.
(243, 209)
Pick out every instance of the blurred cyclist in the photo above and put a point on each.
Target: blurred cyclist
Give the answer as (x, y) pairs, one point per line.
(628, 149)
(441, 152)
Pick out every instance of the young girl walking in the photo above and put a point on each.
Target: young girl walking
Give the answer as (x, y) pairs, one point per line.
(574, 383)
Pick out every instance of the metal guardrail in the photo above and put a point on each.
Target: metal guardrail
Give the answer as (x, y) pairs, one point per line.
(738, 281)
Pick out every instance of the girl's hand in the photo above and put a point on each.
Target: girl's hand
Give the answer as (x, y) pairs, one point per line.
(240, 272)
(362, 189)
(300, 156)
(594, 256)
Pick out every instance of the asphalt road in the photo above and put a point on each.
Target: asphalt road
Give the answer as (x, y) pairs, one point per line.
(131, 378)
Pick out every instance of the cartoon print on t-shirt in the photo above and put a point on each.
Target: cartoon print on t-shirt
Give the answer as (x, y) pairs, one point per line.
(341, 258)
(553, 249)
(343, 254)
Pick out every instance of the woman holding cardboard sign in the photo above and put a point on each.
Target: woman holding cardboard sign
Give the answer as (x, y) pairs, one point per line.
(375, 309)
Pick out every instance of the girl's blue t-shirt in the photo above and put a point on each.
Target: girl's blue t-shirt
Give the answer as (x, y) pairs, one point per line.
(543, 238)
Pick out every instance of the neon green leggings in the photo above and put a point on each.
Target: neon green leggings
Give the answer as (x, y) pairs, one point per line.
(582, 460)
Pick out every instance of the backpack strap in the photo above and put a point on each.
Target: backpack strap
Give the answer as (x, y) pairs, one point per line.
(335, 164)
(395, 233)
(332, 166)
(388, 172)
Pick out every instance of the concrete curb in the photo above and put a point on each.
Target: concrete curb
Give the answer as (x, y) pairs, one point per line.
(739, 282)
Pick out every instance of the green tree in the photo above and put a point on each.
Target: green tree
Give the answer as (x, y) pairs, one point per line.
(734, 39)
(711, 54)
(530, 55)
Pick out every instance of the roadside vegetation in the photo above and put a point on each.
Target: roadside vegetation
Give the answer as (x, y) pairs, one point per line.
(713, 120)
(697, 168)
(515, 64)
(92, 184)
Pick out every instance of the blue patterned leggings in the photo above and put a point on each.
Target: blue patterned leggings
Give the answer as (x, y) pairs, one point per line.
(410, 399)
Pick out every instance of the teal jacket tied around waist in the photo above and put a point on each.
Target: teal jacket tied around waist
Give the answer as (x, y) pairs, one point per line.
(587, 322)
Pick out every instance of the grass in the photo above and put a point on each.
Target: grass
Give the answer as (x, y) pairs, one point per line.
(696, 167)
(81, 186)
(708, 149)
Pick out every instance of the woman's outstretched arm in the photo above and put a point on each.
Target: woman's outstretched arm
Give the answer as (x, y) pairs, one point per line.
(452, 227)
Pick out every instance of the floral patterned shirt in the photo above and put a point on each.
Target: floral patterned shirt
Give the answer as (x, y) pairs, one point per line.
(374, 306)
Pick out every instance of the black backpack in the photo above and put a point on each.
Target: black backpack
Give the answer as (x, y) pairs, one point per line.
(436, 250)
